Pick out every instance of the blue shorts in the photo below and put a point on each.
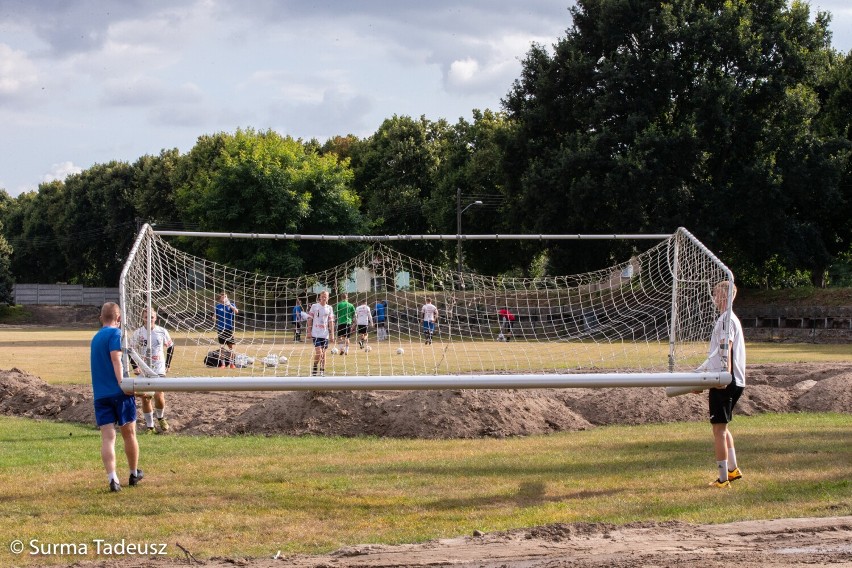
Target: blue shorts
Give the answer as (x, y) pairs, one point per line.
(321, 342)
(429, 326)
(119, 409)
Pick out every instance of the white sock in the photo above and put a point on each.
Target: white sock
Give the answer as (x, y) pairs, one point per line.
(732, 459)
(722, 465)
(135, 472)
(159, 412)
(149, 419)
(111, 476)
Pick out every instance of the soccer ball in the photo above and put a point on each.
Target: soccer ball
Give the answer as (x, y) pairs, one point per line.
(400, 350)
(334, 351)
(242, 360)
(271, 360)
(368, 349)
(282, 360)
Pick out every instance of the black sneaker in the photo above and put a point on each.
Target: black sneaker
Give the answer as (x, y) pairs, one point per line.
(135, 479)
(114, 486)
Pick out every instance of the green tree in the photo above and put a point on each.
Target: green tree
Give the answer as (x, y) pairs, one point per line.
(32, 224)
(98, 225)
(652, 115)
(154, 188)
(395, 175)
(261, 182)
(6, 280)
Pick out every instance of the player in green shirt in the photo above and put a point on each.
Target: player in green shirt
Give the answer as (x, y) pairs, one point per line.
(345, 314)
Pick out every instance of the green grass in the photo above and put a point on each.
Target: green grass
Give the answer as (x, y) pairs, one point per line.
(61, 356)
(253, 495)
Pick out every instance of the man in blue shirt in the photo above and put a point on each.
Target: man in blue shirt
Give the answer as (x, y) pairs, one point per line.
(112, 406)
(225, 312)
(381, 320)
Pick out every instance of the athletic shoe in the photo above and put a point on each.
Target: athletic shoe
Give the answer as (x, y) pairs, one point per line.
(361, 343)
(735, 474)
(149, 430)
(135, 479)
(720, 484)
(114, 486)
(164, 424)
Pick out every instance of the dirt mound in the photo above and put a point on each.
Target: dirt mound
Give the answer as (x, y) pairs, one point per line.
(61, 316)
(446, 413)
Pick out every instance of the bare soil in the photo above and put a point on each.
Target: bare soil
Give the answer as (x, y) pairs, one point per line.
(495, 413)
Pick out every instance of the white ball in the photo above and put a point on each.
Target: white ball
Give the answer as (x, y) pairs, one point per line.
(271, 360)
(368, 349)
(282, 360)
(400, 350)
(334, 351)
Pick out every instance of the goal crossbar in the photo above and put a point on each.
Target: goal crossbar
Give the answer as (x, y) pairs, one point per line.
(381, 238)
(697, 381)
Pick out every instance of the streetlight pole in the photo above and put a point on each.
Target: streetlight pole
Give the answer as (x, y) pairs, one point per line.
(459, 212)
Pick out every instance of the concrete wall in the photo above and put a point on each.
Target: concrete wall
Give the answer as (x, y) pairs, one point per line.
(62, 295)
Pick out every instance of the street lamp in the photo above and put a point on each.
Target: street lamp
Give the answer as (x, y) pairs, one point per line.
(459, 212)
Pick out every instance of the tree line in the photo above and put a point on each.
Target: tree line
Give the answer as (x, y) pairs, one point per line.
(730, 118)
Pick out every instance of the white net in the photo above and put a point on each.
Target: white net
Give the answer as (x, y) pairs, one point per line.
(651, 313)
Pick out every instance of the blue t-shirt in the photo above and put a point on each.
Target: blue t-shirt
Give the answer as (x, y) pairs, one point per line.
(380, 312)
(297, 314)
(107, 340)
(225, 317)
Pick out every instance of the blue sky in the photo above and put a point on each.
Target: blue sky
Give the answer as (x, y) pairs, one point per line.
(88, 81)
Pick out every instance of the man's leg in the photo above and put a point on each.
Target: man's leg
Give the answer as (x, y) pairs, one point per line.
(108, 447)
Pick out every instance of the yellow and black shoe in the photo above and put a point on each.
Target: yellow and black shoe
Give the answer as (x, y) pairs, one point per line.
(720, 484)
(735, 474)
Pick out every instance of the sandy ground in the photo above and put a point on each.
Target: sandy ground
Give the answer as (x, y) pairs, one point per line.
(492, 413)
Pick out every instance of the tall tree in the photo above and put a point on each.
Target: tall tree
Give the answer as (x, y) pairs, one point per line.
(261, 182)
(98, 226)
(652, 115)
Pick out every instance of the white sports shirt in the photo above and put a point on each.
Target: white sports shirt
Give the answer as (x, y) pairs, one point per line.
(363, 315)
(321, 317)
(738, 352)
(430, 312)
(160, 341)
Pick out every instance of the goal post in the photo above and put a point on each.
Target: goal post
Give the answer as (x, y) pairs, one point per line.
(644, 321)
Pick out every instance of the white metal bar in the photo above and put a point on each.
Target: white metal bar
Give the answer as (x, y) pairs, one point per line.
(399, 382)
(374, 238)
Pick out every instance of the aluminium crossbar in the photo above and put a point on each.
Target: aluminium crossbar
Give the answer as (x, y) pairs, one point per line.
(693, 380)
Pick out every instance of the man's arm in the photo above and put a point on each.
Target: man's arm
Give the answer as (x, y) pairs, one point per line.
(116, 365)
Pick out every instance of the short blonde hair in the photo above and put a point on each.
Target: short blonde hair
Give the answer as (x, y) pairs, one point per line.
(110, 313)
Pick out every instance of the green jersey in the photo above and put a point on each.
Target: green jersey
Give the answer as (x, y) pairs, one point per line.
(345, 312)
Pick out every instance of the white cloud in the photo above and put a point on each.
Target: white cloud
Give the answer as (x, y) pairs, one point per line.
(61, 171)
(18, 74)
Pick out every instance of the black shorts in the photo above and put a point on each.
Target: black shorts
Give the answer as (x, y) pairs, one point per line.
(344, 330)
(722, 402)
(226, 336)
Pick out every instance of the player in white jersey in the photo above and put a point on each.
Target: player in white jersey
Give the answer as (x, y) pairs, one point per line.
(364, 321)
(723, 399)
(320, 321)
(157, 352)
(430, 319)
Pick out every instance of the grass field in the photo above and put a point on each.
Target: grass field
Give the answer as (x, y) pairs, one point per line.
(62, 356)
(252, 495)
(255, 495)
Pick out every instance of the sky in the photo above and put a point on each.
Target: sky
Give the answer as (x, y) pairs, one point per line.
(89, 81)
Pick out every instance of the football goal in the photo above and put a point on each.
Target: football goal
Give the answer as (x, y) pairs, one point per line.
(645, 321)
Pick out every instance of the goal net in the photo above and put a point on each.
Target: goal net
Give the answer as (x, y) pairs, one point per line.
(651, 313)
